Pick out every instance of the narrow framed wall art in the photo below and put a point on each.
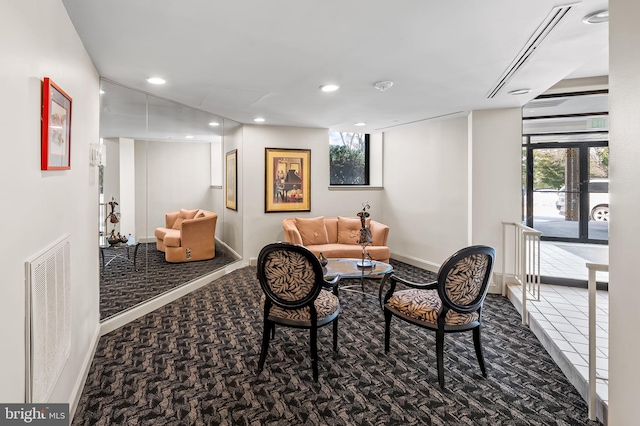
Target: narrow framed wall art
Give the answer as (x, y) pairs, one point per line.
(55, 127)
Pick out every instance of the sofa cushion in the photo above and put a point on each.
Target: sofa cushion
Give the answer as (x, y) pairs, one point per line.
(188, 214)
(349, 229)
(353, 251)
(312, 231)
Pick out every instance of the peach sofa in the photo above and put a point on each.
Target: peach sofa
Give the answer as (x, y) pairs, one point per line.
(189, 235)
(337, 236)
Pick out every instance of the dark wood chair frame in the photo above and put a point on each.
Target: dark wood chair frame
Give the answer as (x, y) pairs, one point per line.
(271, 299)
(447, 304)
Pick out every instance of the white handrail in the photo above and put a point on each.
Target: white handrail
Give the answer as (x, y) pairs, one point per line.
(593, 268)
(526, 267)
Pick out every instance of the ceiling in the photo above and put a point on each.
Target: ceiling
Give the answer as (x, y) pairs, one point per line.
(248, 59)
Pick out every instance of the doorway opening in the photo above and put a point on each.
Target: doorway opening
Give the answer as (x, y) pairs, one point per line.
(565, 163)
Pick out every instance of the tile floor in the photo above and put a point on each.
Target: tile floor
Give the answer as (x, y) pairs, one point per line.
(567, 260)
(560, 318)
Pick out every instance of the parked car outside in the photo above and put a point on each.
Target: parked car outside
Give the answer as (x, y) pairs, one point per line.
(598, 200)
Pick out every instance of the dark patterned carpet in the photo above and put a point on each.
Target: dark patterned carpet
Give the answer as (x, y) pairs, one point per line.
(193, 362)
(122, 286)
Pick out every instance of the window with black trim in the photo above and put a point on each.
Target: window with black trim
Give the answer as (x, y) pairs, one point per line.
(348, 158)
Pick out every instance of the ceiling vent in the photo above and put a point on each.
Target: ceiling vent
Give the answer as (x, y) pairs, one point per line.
(548, 24)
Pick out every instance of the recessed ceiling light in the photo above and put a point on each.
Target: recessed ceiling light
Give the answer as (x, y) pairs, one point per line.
(360, 124)
(519, 91)
(189, 137)
(259, 120)
(214, 124)
(598, 17)
(156, 80)
(383, 85)
(329, 87)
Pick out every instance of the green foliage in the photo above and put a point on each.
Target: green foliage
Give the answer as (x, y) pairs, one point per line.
(346, 165)
(599, 162)
(549, 169)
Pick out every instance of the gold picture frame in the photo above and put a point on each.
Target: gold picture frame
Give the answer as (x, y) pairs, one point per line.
(231, 180)
(287, 180)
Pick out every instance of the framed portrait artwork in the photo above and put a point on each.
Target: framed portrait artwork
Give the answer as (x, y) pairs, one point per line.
(56, 127)
(231, 182)
(287, 180)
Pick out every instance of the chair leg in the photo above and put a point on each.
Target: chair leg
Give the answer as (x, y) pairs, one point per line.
(440, 356)
(265, 343)
(387, 330)
(478, 346)
(314, 352)
(335, 335)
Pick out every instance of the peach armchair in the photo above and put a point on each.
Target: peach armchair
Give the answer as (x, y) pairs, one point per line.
(189, 235)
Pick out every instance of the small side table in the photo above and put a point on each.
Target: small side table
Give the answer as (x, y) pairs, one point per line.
(117, 248)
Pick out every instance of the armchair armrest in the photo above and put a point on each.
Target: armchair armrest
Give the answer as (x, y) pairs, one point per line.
(198, 232)
(379, 233)
(394, 279)
(291, 233)
(431, 285)
(332, 284)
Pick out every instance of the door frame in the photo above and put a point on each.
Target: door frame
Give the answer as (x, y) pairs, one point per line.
(583, 158)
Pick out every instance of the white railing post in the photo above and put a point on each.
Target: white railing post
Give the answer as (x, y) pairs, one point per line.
(526, 262)
(593, 268)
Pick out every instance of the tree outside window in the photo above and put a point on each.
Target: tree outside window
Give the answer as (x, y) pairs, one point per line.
(348, 158)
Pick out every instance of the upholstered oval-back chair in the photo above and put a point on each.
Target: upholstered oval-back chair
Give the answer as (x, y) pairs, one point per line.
(296, 295)
(451, 304)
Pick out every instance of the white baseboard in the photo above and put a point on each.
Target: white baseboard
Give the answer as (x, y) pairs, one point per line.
(82, 378)
(228, 249)
(414, 261)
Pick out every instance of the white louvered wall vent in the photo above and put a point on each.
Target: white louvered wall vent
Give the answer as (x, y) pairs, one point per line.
(48, 322)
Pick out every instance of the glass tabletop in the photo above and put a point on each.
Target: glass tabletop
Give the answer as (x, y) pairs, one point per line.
(131, 241)
(350, 268)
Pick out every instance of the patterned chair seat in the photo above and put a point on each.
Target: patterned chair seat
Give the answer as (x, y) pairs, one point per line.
(425, 305)
(326, 304)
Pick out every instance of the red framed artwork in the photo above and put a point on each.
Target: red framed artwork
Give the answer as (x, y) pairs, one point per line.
(56, 127)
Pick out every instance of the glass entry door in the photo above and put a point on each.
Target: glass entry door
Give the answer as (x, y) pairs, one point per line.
(567, 191)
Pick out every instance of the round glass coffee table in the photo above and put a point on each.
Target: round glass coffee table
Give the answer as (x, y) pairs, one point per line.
(350, 268)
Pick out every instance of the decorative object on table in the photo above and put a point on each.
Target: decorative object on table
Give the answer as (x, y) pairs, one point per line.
(56, 127)
(288, 180)
(364, 238)
(122, 238)
(113, 238)
(232, 180)
(323, 260)
(113, 216)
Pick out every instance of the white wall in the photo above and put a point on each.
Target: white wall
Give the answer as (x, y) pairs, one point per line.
(40, 206)
(426, 190)
(261, 228)
(624, 227)
(232, 224)
(496, 140)
(178, 176)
